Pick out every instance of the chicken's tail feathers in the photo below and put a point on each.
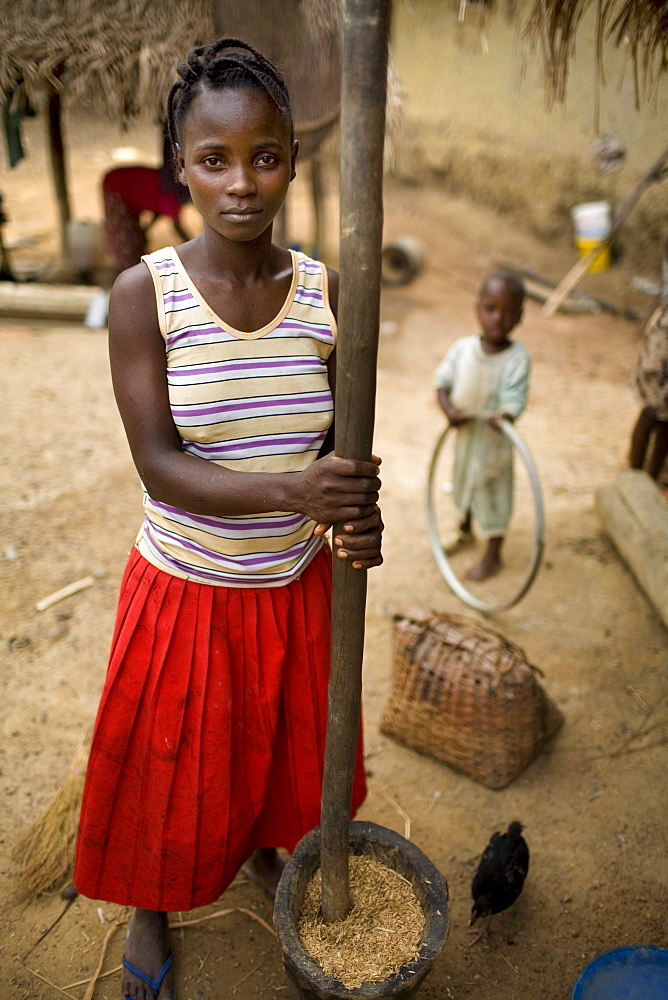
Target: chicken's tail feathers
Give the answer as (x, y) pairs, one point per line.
(515, 829)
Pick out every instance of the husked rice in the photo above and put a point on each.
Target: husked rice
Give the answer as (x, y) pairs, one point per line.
(381, 933)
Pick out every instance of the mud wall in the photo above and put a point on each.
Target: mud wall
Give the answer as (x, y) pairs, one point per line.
(475, 121)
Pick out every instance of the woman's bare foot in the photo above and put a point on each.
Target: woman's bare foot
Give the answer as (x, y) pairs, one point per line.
(490, 564)
(147, 948)
(265, 867)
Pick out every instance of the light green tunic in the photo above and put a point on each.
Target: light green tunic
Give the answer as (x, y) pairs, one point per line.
(483, 466)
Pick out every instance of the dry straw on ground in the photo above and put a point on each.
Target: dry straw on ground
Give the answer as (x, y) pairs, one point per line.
(44, 855)
(381, 933)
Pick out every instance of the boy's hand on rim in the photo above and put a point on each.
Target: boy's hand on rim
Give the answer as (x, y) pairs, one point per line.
(496, 418)
(456, 417)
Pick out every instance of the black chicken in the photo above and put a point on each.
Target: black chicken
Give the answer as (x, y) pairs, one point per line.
(500, 876)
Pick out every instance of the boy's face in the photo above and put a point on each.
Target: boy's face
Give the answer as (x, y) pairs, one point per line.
(499, 310)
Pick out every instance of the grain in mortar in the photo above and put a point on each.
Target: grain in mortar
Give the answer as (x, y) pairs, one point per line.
(381, 933)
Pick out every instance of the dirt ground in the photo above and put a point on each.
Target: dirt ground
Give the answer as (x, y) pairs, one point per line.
(593, 803)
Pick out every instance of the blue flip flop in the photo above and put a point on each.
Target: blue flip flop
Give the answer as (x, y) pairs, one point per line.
(155, 984)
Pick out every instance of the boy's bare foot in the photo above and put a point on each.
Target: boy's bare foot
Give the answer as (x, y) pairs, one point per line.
(147, 948)
(265, 867)
(484, 570)
(490, 564)
(456, 540)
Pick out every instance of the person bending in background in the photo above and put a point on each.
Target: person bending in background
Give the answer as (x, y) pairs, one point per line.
(485, 376)
(650, 381)
(129, 191)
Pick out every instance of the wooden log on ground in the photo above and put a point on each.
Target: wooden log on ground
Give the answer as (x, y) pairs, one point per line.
(34, 300)
(635, 516)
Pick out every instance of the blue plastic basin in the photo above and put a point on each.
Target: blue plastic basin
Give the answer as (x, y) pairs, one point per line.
(635, 973)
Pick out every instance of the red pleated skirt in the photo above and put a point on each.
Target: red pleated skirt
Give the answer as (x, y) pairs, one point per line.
(210, 735)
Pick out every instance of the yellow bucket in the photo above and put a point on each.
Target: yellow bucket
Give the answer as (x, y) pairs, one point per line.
(601, 261)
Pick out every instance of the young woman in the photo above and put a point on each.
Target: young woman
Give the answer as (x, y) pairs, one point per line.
(209, 741)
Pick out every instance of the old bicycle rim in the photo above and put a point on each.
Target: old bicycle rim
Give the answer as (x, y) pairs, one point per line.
(440, 556)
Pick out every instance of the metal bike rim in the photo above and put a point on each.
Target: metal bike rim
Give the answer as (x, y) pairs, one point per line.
(440, 556)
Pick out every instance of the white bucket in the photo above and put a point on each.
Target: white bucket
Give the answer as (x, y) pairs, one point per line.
(592, 220)
(592, 223)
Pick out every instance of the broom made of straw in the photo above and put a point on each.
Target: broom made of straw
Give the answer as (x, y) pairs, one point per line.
(44, 855)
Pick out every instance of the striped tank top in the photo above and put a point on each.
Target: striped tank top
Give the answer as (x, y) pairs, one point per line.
(253, 402)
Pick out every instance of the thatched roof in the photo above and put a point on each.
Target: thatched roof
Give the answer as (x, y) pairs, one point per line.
(118, 55)
(639, 27)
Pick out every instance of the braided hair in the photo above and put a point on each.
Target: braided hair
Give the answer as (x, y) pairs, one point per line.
(226, 63)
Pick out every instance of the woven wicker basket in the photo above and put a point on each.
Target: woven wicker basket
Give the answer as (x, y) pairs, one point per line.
(466, 695)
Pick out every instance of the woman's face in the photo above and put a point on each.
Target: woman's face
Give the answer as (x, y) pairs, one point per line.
(237, 158)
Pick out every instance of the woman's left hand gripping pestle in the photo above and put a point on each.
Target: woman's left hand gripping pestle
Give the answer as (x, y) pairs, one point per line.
(345, 489)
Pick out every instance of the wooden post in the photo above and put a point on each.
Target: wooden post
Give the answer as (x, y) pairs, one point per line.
(318, 196)
(364, 80)
(57, 151)
(6, 273)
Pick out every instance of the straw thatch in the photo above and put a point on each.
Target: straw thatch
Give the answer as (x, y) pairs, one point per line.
(120, 55)
(639, 27)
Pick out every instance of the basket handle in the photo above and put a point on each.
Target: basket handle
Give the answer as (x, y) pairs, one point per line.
(423, 618)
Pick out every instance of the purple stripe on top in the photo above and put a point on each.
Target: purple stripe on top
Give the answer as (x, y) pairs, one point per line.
(247, 366)
(235, 524)
(302, 326)
(216, 449)
(313, 295)
(259, 442)
(249, 560)
(177, 296)
(197, 334)
(259, 403)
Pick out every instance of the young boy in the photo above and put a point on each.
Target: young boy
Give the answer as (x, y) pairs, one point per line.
(486, 376)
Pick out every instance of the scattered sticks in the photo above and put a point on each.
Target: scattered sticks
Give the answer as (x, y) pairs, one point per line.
(404, 815)
(88, 995)
(641, 731)
(103, 975)
(224, 913)
(49, 983)
(249, 974)
(98, 974)
(66, 894)
(60, 595)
